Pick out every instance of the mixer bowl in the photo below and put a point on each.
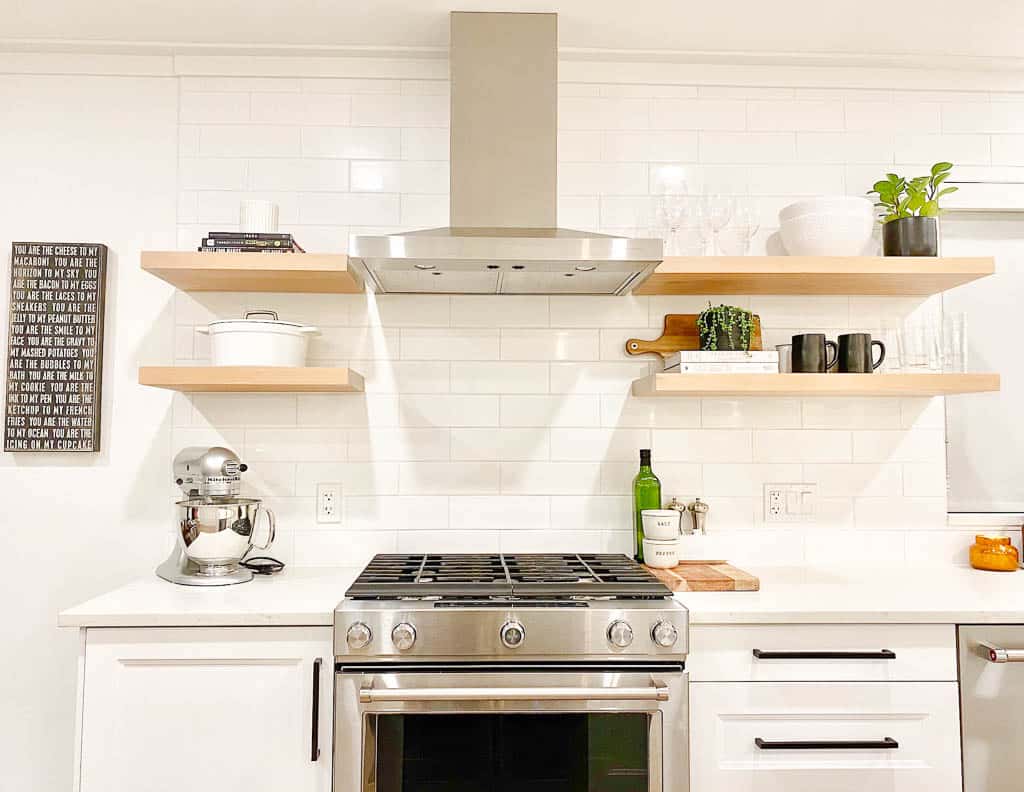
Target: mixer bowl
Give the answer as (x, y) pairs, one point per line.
(216, 532)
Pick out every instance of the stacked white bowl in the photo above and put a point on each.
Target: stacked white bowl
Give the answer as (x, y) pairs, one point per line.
(835, 225)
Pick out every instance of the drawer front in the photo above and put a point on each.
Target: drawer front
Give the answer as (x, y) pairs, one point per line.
(902, 737)
(822, 652)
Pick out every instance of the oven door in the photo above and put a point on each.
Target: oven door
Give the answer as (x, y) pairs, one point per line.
(466, 728)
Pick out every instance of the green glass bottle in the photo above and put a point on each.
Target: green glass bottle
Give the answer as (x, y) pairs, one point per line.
(646, 495)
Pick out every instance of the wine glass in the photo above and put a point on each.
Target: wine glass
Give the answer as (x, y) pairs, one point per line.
(746, 224)
(714, 212)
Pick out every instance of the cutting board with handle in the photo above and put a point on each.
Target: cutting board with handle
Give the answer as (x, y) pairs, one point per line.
(706, 576)
(680, 334)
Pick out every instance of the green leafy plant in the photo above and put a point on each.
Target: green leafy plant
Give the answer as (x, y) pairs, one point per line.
(900, 197)
(725, 326)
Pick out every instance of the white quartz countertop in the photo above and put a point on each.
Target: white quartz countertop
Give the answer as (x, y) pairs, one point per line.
(308, 596)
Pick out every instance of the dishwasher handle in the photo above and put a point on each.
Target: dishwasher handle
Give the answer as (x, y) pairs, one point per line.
(656, 692)
(996, 654)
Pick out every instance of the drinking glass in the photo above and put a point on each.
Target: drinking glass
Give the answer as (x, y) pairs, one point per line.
(740, 233)
(954, 342)
(919, 341)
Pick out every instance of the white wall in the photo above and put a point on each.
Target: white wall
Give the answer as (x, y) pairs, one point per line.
(83, 159)
(488, 423)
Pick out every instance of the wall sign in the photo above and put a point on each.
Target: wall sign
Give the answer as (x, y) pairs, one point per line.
(55, 346)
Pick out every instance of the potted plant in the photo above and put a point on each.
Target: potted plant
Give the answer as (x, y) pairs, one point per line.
(910, 225)
(725, 328)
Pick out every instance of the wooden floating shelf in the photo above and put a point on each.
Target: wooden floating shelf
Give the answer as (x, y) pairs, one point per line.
(810, 385)
(314, 273)
(251, 379)
(876, 275)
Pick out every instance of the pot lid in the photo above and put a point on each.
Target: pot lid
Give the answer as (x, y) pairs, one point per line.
(248, 320)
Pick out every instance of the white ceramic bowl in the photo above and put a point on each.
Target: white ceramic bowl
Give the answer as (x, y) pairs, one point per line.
(661, 555)
(660, 524)
(827, 204)
(828, 234)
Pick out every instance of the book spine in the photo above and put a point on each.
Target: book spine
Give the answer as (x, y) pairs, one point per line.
(248, 243)
(244, 250)
(247, 235)
(724, 368)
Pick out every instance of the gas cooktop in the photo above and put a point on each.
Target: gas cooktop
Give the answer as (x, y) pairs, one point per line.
(552, 576)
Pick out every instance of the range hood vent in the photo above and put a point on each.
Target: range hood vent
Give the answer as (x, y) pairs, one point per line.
(504, 237)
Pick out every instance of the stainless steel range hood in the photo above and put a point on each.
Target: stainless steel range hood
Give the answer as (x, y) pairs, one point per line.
(504, 237)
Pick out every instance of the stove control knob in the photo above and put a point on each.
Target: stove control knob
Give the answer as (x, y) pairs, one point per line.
(403, 636)
(358, 636)
(512, 634)
(620, 634)
(665, 634)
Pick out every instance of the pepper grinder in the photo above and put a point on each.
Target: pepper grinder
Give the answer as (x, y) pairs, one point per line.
(699, 510)
(681, 508)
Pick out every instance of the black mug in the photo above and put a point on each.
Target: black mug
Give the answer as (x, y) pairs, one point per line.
(855, 353)
(810, 354)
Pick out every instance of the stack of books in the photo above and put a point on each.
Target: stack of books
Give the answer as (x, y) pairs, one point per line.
(700, 362)
(248, 242)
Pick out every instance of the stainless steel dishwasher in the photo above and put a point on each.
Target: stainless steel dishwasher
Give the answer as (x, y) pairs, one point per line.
(991, 703)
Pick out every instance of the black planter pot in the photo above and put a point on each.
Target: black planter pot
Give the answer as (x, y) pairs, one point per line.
(911, 236)
(729, 340)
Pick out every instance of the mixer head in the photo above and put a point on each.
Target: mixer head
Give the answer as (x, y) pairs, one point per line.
(208, 472)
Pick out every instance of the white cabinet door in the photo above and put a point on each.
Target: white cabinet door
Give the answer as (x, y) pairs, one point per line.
(728, 719)
(206, 710)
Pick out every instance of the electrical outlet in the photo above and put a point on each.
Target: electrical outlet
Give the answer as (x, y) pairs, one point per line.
(328, 502)
(788, 503)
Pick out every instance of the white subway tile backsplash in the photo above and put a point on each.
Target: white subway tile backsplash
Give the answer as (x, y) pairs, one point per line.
(445, 410)
(802, 445)
(501, 377)
(499, 311)
(514, 445)
(449, 344)
(550, 478)
(776, 116)
(549, 344)
(580, 445)
(248, 141)
(350, 142)
(506, 422)
(701, 114)
(915, 445)
(751, 413)
(499, 513)
(703, 445)
(450, 478)
(560, 410)
(399, 444)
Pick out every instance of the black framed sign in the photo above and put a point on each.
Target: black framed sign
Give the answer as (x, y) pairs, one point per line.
(55, 346)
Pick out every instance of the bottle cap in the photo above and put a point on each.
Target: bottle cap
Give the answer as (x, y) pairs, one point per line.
(645, 456)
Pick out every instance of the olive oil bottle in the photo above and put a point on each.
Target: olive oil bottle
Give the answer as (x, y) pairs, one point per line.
(646, 495)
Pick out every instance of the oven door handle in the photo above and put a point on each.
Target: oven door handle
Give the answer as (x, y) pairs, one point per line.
(657, 691)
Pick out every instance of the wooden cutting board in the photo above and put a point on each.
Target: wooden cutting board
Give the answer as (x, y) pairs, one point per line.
(706, 576)
(680, 334)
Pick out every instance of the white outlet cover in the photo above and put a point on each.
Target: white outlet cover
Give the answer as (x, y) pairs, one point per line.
(789, 503)
(328, 502)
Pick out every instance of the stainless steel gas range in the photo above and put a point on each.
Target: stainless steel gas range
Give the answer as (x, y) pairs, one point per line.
(553, 672)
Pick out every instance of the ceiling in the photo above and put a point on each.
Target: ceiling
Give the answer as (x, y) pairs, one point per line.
(983, 29)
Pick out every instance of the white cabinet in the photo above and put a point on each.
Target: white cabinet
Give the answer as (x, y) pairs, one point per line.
(808, 708)
(206, 710)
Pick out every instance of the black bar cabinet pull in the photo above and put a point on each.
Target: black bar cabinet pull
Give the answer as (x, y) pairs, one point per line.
(887, 743)
(883, 654)
(314, 752)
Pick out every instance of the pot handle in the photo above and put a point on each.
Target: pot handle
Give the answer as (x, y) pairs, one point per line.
(271, 528)
(271, 314)
(313, 331)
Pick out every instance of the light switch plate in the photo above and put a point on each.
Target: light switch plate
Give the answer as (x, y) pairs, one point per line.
(789, 503)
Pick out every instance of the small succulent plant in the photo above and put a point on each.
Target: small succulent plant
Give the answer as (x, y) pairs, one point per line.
(725, 327)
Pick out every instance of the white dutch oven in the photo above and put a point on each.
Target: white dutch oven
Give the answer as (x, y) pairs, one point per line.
(258, 342)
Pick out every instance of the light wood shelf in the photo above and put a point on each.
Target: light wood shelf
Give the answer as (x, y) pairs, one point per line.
(314, 273)
(877, 275)
(670, 384)
(251, 379)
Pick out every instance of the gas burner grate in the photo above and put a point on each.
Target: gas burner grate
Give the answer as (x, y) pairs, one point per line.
(549, 575)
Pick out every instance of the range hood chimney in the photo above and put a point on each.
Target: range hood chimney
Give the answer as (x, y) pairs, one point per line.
(504, 237)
